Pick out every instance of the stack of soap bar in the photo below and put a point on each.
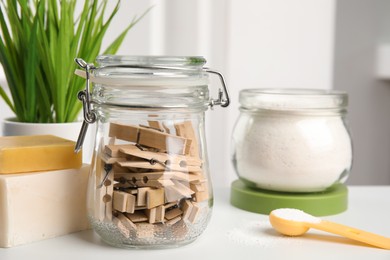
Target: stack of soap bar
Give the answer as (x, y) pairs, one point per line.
(40, 205)
(43, 187)
(22, 154)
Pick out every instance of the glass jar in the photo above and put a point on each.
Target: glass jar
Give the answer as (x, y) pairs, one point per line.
(149, 184)
(292, 140)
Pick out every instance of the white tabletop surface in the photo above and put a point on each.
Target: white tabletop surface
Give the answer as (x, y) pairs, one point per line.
(236, 234)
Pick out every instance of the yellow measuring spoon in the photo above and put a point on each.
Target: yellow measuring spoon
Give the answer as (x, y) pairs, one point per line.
(295, 222)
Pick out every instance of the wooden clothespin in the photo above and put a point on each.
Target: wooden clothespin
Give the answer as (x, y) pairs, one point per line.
(149, 137)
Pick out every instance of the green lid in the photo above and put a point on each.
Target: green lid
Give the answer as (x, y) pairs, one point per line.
(329, 202)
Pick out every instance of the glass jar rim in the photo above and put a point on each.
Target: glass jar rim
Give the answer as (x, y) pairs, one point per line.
(190, 62)
(293, 99)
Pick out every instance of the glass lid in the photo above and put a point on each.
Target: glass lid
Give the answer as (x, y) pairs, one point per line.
(293, 99)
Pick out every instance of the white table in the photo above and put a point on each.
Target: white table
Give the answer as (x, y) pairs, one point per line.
(236, 234)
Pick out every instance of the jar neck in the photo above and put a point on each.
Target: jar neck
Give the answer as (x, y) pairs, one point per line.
(338, 112)
(114, 113)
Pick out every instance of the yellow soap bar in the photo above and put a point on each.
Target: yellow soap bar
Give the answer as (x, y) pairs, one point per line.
(37, 153)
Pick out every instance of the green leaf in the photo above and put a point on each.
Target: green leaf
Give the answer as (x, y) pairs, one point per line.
(6, 99)
(30, 71)
(114, 46)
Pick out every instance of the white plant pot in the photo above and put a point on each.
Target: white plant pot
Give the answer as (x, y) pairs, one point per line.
(70, 131)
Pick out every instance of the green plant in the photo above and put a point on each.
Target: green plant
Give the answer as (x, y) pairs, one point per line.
(38, 43)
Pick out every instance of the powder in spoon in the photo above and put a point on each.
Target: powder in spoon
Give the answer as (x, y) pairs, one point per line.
(295, 215)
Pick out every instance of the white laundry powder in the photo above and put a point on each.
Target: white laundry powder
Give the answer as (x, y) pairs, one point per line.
(295, 215)
(293, 153)
(259, 234)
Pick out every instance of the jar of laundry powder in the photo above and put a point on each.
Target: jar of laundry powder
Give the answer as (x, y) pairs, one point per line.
(292, 140)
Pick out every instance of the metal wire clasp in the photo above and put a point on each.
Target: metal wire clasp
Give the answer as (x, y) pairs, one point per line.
(220, 101)
(85, 97)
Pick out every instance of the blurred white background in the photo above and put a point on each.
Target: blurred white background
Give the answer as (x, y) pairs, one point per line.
(282, 44)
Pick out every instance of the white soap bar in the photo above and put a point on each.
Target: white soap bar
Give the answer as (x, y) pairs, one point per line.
(37, 206)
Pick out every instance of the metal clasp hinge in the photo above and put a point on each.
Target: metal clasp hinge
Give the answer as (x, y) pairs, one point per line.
(85, 97)
(221, 101)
